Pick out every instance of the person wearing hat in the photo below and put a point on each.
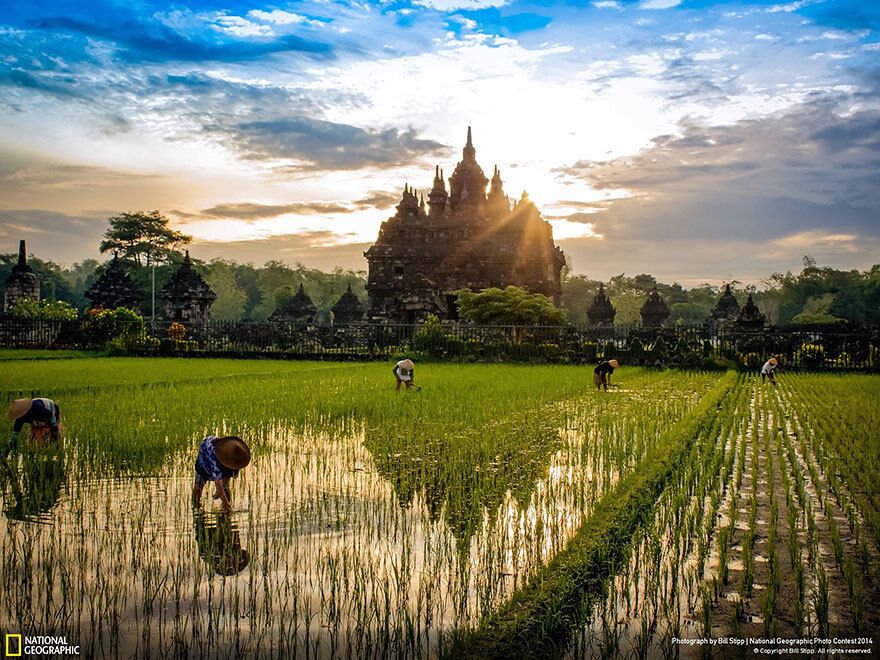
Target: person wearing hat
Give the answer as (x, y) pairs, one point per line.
(404, 372)
(219, 460)
(602, 373)
(43, 416)
(768, 369)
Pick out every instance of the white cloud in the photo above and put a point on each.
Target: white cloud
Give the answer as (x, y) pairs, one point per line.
(659, 4)
(280, 17)
(788, 8)
(607, 4)
(450, 5)
(241, 27)
(765, 37)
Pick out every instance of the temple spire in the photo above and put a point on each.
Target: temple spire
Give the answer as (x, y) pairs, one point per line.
(469, 153)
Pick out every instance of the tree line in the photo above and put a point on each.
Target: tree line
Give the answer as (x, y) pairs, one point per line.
(146, 244)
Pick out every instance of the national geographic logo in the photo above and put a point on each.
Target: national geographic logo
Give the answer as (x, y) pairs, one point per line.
(19, 645)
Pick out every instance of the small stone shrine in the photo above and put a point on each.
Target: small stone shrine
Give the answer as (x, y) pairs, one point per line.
(750, 316)
(186, 296)
(726, 309)
(114, 288)
(654, 312)
(348, 308)
(22, 283)
(601, 312)
(298, 309)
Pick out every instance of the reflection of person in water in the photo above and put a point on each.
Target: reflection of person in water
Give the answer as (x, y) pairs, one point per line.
(38, 489)
(219, 543)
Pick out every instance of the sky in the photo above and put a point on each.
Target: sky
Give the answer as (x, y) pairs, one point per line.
(697, 140)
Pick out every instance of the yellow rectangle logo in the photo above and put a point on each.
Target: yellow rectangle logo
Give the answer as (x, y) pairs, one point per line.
(17, 640)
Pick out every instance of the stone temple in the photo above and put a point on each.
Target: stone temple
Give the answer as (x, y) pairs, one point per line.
(22, 283)
(462, 239)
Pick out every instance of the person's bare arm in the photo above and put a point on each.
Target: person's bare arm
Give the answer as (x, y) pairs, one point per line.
(220, 490)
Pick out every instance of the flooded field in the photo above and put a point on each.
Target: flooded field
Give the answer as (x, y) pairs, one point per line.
(368, 524)
(376, 524)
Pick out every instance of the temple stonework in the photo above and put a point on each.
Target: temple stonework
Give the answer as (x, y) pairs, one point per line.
(22, 283)
(463, 239)
(186, 296)
(348, 308)
(655, 311)
(726, 309)
(298, 309)
(750, 316)
(114, 288)
(601, 312)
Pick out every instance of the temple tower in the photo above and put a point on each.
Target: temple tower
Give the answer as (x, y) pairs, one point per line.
(726, 309)
(114, 288)
(348, 308)
(22, 283)
(187, 298)
(601, 312)
(468, 183)
(750, 316)
(299, 309)
(654, 312)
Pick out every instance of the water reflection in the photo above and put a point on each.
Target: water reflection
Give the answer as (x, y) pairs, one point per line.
(35, 488)
(219, 543)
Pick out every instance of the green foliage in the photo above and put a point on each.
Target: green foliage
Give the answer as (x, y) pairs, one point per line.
(144, 238)
(44, 310)
(101, 326)
(432, 341)
(817, 311)
(509, 306)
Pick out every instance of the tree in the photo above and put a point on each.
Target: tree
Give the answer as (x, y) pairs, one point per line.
(144, 238)
(509, 306)
(230, 302)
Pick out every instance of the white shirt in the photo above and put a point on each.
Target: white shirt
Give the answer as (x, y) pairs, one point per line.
(768, 368)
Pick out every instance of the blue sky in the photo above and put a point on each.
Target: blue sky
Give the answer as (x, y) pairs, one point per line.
(696, 140)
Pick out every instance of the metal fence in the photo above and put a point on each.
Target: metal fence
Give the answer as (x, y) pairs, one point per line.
(797, 347)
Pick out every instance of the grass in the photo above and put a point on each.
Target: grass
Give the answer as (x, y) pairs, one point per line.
(503, 510)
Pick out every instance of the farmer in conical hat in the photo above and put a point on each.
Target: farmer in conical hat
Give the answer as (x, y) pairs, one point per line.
(602, 373)
(219, 460)
(768, 369)
(43, 416)
(404, 372)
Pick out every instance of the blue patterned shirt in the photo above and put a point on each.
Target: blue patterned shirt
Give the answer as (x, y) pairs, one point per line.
(208, 465)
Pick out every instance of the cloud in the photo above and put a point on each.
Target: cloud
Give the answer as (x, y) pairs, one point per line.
(451, 5)
(378, 199)
(142, 41)
(52, 235)
(312, 249)
(315, 144)
(659, 4)
(808, 170)
(251, 211)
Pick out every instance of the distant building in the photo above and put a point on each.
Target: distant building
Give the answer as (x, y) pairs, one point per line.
(464, 239)
(348, 308)
(654, 312)
(298, 309)
(750, 316)
(187, 298)
(22, 283)
(601, 312)
(726, 309)
(114, 288)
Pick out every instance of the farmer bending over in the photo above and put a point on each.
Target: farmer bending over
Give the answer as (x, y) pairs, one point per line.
(219, 460)
(44, 417)
(602, 373)
(768, 369)
(404, 372)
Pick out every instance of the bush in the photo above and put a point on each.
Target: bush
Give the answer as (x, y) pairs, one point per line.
(101, 326)
(751, 360)
(812, 355)
(43, 310)
(432, 341)
(176, 331)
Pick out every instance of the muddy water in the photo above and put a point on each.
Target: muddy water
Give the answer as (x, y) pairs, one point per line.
(324, 554)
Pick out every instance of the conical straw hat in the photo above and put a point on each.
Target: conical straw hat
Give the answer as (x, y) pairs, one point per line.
(773, 361)
(613, 363)
(232, 452)
(18, 408)
(407, 364)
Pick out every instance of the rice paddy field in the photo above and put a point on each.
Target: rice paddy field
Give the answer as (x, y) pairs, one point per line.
(501, 511)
